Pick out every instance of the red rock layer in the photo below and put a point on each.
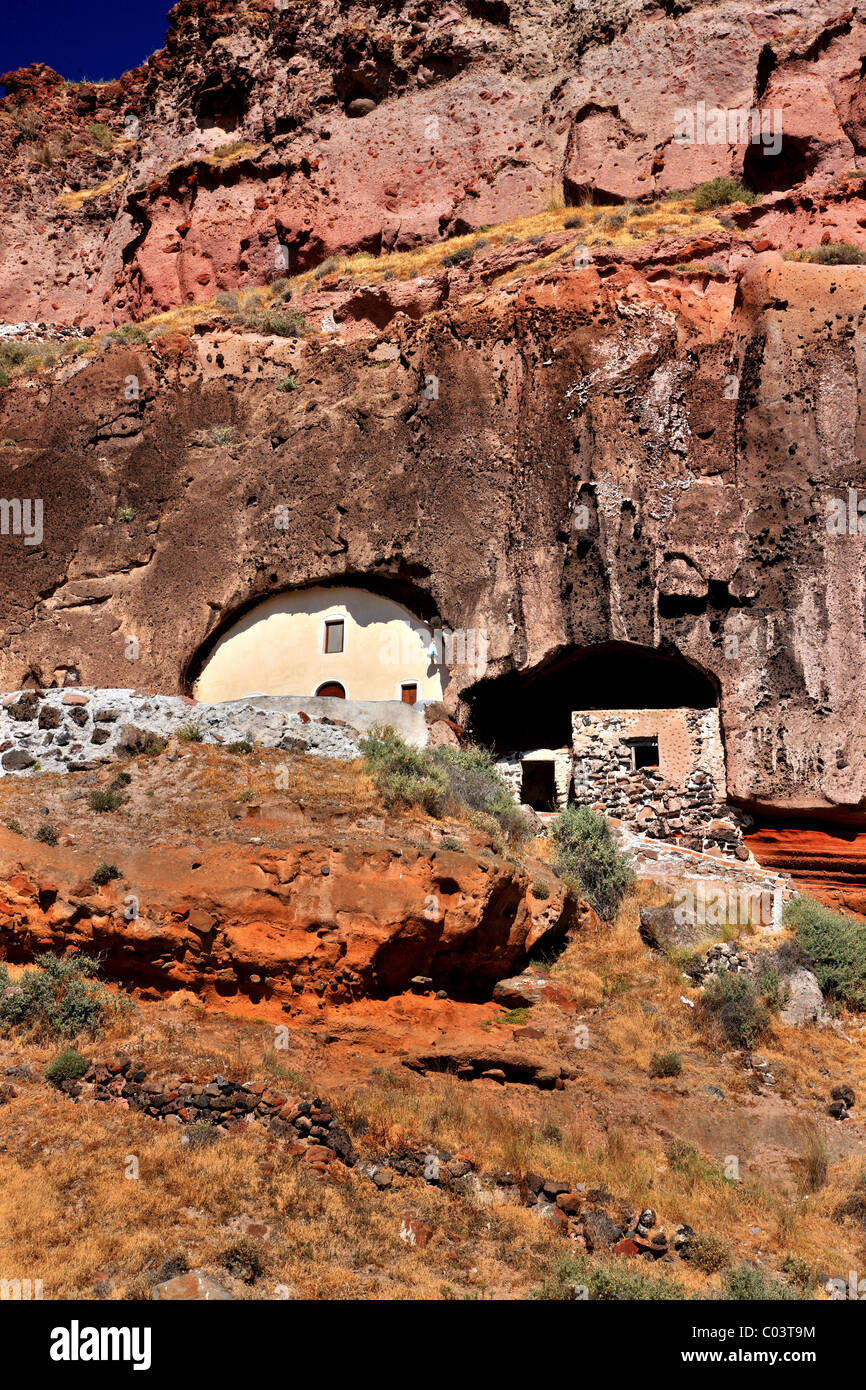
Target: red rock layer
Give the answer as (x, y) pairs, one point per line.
(829, 864)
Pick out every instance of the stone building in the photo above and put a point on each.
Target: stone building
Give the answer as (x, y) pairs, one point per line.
(661, 772)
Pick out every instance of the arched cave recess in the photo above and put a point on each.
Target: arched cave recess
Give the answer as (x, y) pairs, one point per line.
(403, 588)
(524, 710)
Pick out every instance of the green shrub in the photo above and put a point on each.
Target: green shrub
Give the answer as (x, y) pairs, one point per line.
(451, 842)
(15, 826)
(190, 732)
(47, 835)
(475, 784)
(464, 778)
(804, 1275)
(277, 322)
(835, 946)
(61, 997)
(126, 514)
(66, 1066)
(732, 1003)
(589, 860)
(104, 873)
(103, 799)
(463, 253)
(404, 775)
(221, 435)
(540, 890)
(834, 253)
(240, 745)
(610, 1280)
(101, 134)
(665, 1064)
(717, 193)
(745, 1284)
(288, 383)
(129, 333)
(710, 1253)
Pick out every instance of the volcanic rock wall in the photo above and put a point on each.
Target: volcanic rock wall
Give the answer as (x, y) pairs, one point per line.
(263, 139)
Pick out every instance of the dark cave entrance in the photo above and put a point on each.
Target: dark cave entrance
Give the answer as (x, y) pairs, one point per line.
(523, 710)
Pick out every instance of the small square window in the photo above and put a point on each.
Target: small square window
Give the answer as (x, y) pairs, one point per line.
(409, 692)
(644, 752)
(334, 635)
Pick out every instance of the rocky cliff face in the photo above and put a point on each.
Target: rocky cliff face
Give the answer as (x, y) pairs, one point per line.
(263, 139)
(632, 449)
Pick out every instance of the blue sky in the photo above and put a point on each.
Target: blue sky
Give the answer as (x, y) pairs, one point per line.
(81, 39)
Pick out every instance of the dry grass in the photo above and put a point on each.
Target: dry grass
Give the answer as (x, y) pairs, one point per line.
(71, 202)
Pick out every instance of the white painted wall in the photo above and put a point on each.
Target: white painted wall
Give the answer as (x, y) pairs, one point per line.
(278, 649)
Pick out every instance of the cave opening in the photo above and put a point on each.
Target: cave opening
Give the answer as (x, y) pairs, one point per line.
(524, 710)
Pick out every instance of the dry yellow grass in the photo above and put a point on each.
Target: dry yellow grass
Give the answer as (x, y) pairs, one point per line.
(70, 202)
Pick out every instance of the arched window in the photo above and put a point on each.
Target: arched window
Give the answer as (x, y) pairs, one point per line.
(332, 689)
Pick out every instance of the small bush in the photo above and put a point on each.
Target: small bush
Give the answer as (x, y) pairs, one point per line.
(451, 842)
(731, 1002)
(221, 435)
(101, 134)
(804, 1275)
(835, 946)
(15, 826)
(66, 1066)
(463, 253)
(589, 860)
(47, 835)
(475, 784)
(61, 997)
(615, 221)
(276, 322)
(611, 1280)
(104, 873)
(200, 1134)
(834, 253)
(326, 268)
(104, 799)
(243, 1259)
(717, 193)
(540, 889)
(240, 745)
(710, 1253)
(190, 732)
(574, 220)
(745, 1284)
(665, 1064)
(129, 333)
(227, 301)
(126, 514)
(288, 383)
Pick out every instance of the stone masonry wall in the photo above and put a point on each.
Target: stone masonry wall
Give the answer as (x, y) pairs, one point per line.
(682, 799)
(73, 730)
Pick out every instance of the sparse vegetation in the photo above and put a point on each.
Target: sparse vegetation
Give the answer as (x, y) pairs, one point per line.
(835, 946)
(744, 1283)
(59, 997)
(221, 435)
(239, 745)
(277, 322)
(104, 799)
(15, 826)
(101, 134)
(717, 193)
(731, 1006)
(126, 514)
(437, 778)
(288, 383)
(589, 859)
(611, 1280)
(190, 732)
(709, 1252)
(47, 835)
(457, 257)
(104, 873)
(540, 889)
(833, 253)
(665, 1064)
(66, 1066)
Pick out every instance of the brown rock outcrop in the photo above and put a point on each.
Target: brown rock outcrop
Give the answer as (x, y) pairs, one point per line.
(260, 927)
